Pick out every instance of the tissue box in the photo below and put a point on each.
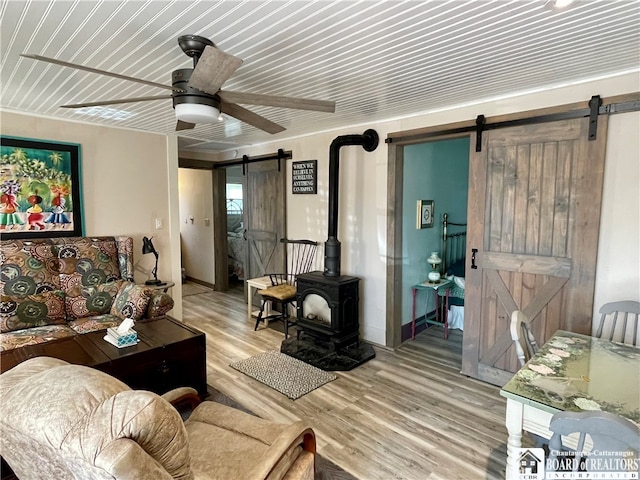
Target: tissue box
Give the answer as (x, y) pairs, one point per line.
(122, 340)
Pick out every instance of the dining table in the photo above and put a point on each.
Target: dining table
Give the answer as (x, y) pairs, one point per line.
(570, 372)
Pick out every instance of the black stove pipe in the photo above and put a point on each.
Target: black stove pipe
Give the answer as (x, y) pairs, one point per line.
(332, 250)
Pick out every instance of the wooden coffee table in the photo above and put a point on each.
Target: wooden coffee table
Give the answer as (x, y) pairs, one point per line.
(169, 354)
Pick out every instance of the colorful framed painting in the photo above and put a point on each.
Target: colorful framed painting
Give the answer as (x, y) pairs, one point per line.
(40, 192)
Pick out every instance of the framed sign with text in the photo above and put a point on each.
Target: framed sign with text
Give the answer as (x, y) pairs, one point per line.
(304, 177)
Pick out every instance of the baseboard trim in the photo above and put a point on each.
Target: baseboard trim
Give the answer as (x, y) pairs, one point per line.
(405, 333)
(200, 282)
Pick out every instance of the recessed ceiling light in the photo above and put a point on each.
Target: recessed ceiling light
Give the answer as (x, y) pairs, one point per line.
(560, 4)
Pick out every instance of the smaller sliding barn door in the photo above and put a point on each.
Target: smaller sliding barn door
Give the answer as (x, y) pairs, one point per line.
(264, 202)
(534, 213)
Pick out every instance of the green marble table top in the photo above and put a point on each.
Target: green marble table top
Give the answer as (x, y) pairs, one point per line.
(573, 372)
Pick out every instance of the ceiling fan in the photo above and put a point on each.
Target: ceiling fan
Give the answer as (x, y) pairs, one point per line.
(196, 93)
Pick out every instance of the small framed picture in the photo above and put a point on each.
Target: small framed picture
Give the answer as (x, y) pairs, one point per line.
(425, 214)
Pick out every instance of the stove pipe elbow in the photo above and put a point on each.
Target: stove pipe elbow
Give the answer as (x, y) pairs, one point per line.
(332, 248)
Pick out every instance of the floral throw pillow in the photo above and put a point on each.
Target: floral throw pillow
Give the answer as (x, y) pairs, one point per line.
(27, 311)
(132, 301)
(92, 300)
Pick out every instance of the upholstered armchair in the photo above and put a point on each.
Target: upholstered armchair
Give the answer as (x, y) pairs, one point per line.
(65, 421)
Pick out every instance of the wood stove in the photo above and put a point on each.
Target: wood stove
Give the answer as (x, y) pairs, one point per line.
(328, 308)
(328, 303)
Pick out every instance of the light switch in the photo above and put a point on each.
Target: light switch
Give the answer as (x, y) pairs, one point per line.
(159, 223)
(206, 222)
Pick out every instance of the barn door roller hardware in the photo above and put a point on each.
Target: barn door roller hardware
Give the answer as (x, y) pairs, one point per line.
(620, 104)
(481, 121)
(280, 157)
(245, 160)
(594, 109)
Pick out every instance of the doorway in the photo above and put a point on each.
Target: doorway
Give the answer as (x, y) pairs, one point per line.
(236, 243)
(436, 173)
(535, 191)
(196, 225)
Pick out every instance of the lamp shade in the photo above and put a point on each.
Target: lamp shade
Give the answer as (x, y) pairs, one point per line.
(434, 259)
(147, 246)
(196, 113)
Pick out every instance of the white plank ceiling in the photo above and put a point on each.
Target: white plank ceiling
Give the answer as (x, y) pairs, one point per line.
(377, 59)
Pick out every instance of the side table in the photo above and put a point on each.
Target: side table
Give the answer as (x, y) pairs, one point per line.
(165, 286)
(441, 285)
(258, 283)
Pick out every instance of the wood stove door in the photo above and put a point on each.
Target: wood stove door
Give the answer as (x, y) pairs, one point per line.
(264, 187)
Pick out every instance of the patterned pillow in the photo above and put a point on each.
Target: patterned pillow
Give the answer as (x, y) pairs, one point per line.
(26, 311)
(132, 301)
(87, 262)
(93, 300)
(28, 267)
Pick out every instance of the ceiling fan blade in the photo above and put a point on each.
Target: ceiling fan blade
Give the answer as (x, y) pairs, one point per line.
(184, 125)
(94, 70)
(213, 69)
(114, 102)
(251, 118)
(278, 101)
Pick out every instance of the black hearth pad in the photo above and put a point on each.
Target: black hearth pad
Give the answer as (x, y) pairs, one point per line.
(319, 355)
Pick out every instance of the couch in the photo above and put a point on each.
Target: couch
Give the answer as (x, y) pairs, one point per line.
(53, 288)
(93, 427)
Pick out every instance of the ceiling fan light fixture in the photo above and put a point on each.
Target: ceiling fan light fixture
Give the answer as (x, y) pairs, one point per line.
(196, 113)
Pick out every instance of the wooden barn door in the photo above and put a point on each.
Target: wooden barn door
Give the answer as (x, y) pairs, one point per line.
(534, 212)
(265, 217)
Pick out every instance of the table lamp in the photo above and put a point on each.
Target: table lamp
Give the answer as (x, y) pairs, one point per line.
(434, 260)
(147, 247)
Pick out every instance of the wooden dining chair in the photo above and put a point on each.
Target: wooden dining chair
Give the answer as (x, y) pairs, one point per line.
(608, 433)
(621, 321)
(282, 292)
(523, 339)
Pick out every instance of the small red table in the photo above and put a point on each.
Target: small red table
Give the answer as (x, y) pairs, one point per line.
(442, 284)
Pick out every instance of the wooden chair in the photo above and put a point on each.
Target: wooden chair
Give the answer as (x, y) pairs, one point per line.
(282, 293)
(608, 433)
(523, 339)
(626, 311)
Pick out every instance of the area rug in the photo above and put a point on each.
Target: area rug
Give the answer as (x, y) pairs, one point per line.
(283, 373)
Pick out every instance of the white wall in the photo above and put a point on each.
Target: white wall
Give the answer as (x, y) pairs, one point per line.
(196, 210)
(618, 269)
(124, 184)
(363, 190)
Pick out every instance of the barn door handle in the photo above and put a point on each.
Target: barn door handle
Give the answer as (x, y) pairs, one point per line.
(473, 258)
(244, 234)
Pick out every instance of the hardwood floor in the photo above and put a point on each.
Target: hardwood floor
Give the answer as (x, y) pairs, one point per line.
(406, 414)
